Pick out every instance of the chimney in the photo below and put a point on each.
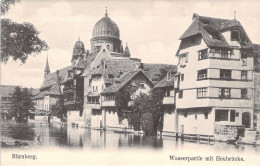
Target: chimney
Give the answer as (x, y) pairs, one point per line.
(57, 76)
(195, 15)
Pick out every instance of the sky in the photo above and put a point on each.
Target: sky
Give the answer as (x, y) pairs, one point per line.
(151, 29)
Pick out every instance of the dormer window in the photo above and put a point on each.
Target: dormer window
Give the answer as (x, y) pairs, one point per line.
(235, 36)
(169, 76)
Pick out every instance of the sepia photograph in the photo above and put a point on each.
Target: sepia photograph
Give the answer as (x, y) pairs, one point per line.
(148, 82)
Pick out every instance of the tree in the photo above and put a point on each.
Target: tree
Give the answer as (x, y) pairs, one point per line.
(58, 109)
(18, 40)
(121, 102)
(147, 113)
(21, 103)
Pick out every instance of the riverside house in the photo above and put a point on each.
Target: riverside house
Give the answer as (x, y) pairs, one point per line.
(215, 93)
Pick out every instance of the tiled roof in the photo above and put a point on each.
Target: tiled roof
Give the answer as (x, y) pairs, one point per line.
(153, 70)
(7, 90)
(165, 83)
(51, 79)
(93, 94)
(114, 67)
(122, 81)
(54, 90)
(90, 58)
(211, 28)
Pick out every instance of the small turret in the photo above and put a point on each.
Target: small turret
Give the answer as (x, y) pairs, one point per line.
(78, 51)
(121, 48)
(127, 51)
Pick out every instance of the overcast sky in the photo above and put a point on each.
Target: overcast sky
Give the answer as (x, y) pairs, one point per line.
(151, 29)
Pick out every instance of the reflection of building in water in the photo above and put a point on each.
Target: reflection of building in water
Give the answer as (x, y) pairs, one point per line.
(78, 136)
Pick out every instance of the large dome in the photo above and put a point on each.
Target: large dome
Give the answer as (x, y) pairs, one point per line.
(106, 27)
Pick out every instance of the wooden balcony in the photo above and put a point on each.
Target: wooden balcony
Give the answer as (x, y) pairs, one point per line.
(110, 103)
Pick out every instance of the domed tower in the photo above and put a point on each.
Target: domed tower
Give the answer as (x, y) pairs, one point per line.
(106, 32)
(78, 52)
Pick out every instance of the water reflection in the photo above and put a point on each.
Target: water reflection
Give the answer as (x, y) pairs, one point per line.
(82, 138)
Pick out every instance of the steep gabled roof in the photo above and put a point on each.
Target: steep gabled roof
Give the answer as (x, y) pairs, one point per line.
(113, 67)
(122, 81)
(51, 79)
(211, 28)
(54, 90)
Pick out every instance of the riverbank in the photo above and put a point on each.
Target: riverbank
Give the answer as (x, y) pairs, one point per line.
(7, 142)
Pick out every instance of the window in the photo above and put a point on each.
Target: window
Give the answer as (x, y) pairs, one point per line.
(226, 54)
(110, 76)
(243, 93)
(185, 115)
(109, 98)
(203, 54)
(243, 55)
(182, 77)
(169, 76)
(102, 87)
(225, 74)
(224, 93)
(232, 115)
(244, 58)
(196, 117)
(237, 114)
(235, 36)
(142, 86)
(183, 59)
(180, 94)
(202, 92)
(206, 115)
(221, 115)
(202, 74)
(243, 75)
(168, 92)
(214, 51)
(89, 82)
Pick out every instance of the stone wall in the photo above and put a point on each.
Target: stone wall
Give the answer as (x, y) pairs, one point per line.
(225, 132)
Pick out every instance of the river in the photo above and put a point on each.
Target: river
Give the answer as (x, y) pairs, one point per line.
(82, 138)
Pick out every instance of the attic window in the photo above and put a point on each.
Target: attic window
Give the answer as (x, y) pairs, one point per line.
(110, 76)
(142, 86)
(235, 36)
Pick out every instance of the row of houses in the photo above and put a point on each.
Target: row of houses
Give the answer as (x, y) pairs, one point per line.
(213, 90)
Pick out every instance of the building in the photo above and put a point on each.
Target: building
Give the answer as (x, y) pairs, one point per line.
(215, 78)
(257, 86)
(96, 69)
(51, 88)
(169, 103)
(125, 88)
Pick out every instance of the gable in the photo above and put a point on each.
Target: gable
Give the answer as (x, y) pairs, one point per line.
(103, 54)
